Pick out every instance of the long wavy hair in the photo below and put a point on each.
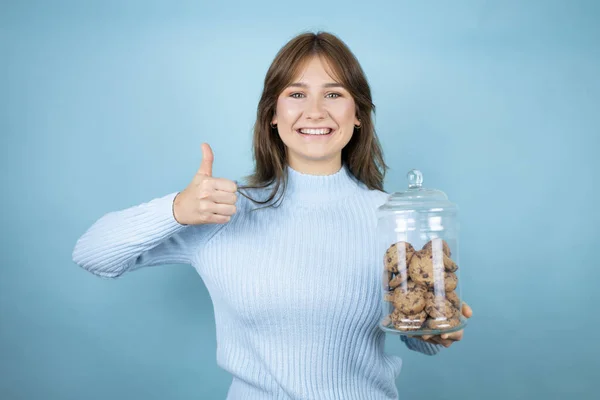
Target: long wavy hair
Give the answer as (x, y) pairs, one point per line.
(363, 154)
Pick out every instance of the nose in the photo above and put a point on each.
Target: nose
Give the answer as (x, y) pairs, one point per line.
(315, 109)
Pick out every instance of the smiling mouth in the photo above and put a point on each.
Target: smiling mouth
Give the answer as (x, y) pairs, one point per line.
(315, 131)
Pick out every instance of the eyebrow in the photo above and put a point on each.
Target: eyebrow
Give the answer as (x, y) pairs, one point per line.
(326, 85)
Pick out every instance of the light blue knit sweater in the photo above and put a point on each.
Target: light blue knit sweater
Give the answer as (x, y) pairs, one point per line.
(295, 289)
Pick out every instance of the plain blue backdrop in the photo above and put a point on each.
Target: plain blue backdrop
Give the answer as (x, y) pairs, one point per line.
(104, 105)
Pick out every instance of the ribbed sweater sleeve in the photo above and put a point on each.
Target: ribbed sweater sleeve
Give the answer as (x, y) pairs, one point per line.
(420, 346)
(143, 235)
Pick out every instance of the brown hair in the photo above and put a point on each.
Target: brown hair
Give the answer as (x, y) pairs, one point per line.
(363, 154)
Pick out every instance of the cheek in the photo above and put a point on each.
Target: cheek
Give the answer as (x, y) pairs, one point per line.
(288, 111)
(345, 112)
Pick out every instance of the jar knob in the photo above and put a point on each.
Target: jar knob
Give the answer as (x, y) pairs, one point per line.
(415, 179)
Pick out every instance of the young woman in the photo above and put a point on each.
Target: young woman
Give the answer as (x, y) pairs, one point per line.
(292, 264)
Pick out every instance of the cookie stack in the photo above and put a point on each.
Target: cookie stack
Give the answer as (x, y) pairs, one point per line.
(421, 287)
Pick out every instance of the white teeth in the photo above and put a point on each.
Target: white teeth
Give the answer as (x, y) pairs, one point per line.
(315, 131)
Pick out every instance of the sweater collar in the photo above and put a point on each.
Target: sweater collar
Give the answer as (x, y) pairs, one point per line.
(306, 188)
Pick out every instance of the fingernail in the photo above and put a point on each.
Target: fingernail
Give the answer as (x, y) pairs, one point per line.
(445, 336)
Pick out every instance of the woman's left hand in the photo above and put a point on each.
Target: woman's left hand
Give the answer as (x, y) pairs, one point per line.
(447, 339)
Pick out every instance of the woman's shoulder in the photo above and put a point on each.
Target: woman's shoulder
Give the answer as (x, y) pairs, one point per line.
(378, 197)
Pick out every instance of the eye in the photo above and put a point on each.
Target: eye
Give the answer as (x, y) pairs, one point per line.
(333, 95)
(297, 95)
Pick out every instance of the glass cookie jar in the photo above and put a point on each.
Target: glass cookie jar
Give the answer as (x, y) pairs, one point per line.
(418, 235)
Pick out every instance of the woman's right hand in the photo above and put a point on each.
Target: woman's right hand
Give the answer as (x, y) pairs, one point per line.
(206, 200)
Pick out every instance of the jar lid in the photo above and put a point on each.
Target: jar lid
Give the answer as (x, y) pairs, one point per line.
(417, 197)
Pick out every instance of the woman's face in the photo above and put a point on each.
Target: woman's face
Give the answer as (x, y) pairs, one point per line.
(315, 118)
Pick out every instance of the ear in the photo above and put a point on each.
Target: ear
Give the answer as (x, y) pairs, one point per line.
(356, 119)
(274, 120)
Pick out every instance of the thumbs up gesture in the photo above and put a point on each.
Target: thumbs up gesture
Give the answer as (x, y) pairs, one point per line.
(206, 200)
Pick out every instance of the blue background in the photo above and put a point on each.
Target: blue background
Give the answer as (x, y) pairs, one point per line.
(104, 105)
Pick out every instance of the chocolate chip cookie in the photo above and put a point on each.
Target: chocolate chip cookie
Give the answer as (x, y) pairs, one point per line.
(420, 269)
(449, 264)
(409, 298)
(450, 281)
(397, 256)
(441, 323)
(407, 322)
(398, 279)
(433, 243)
(453, 298)
(439, 307)
(424, 271)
